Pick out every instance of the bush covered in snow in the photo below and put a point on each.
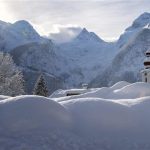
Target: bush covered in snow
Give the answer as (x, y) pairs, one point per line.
(11, 78)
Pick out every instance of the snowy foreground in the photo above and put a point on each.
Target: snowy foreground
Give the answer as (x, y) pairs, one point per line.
(114, 118)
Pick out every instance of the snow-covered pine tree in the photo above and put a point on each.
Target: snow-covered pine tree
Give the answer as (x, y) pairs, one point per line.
(11, 78)
(41, 87)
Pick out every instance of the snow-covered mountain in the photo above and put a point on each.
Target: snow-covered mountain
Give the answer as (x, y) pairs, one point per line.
(86, 58)
(87, 55)
(67, 61)
(86, 36)
(128, 63)
(35, 58)
(31, 52)
(19, 33)
(139, 23)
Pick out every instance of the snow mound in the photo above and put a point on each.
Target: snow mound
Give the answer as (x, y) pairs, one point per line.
(63, 93)
(120, 110)
(126, 91)
(86, 121)
(2, 97)
(119, 85)
(98, 116)
(120, 90)
(25, 113)
(135, 90)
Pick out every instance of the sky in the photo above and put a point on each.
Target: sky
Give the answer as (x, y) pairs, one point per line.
(65, 18)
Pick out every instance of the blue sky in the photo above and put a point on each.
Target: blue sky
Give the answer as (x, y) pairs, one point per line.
(107, 18)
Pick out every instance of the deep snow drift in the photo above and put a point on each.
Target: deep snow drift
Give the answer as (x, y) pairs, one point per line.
(120, 90)
(109, 118)
(31, 112)
(2, 97)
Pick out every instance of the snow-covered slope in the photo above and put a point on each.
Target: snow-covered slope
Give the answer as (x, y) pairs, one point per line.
(86, 36)
(24, 113)
(2, 97)
(120, 90)
(86, 56)
(34, 58)
(124, 119)
(19, 33)
(139, 23)
(32, 53)
(128, 63)
(109, 111)
(90, 122)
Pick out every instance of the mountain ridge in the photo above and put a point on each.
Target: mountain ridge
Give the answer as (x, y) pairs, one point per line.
(82, 60)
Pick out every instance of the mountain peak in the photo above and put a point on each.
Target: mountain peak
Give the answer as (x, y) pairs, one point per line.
(84, 30)
(145, 15)
(140, 22)
(25, 29)
(22, 24)
(86, 35)
(4, 24)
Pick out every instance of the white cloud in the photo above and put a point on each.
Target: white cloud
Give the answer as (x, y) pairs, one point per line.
(64, 33)
(107, 18)
(4, 13)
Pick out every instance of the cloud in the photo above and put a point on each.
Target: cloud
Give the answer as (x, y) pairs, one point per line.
(107, 18)
(64, 33)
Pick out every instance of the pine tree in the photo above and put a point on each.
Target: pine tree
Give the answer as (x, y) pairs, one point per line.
(40, 87)
(11, 78)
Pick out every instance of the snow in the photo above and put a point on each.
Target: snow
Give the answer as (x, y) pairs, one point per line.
(63, 93)
(23, 113)
(139, 23)
(87, 121)
(107, 118)
(2, 97)
(19, 33)
(119, 85)
(128, 63)
(120, 90)
(130, 91)
(98, 117)
(111, 110)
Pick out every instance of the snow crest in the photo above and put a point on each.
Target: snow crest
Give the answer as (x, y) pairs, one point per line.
(87, 121)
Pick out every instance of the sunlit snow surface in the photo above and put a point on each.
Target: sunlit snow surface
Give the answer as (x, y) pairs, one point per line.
(109, 118)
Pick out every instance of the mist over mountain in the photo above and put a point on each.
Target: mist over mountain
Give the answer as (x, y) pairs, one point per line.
(87, 55)
(64, 33)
